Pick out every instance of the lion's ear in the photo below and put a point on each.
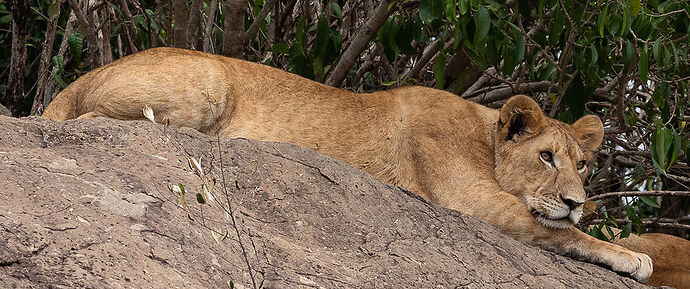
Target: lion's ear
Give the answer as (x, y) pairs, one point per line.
(520, 116)
(589, 132)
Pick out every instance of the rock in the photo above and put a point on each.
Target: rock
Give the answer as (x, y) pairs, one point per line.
(87, 204)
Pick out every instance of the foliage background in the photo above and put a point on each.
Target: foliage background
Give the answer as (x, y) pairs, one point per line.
(625, 61)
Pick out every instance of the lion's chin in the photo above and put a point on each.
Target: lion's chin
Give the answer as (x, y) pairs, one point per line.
(560, 223)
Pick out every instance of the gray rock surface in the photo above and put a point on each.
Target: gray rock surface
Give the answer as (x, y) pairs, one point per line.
(86, 204)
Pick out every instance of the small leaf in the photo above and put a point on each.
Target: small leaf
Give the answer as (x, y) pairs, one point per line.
(207, 193)
(195, 165)
(429, 10)
(482, 23)
(148, 113)
(656, 51)
(632, 216)
(556, 27)
(59, 80)
(634, 7)
(463, 7)
(628, 53)
(281, 47)
(388, 83)
(337, 12)
(75, 41)
(643, 65)
(450, 11)
(626, 231)
(595, 55)
(439, 70)
(200, 199)
(657, 151)
(649, 201)
(597, 233)
(602, 20)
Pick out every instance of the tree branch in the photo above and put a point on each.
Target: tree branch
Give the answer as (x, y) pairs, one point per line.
(506, 91)
(254, 27)
(640, 193)
(359, 43)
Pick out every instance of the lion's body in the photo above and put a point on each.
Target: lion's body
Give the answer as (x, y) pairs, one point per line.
(669, 254)
(458, 154)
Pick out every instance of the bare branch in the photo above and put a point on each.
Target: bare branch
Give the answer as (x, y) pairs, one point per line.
(506, 92)
(359, 43)
(254, 27)
(46, 53)
(429, 53)
(640, 193)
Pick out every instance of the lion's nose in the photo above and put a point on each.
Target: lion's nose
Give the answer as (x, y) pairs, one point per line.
(572, 204)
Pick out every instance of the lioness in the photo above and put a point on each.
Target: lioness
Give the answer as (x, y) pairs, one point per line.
(515, 168)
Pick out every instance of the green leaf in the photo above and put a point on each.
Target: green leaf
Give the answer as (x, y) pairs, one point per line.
(429, 10)
(597, 233)
(409, 31)
(556, 28)
(594, 55)
(58, 61)
(628, 54)
(675, 56)
(656, 51)
(649, 201)
(482, 22)
(281, 47)
(661, 141)
(632, 216)
(523, 8)
(634, 7)
(450, 11)
(299, 36)
(614, 25)
(387, 36)
(200, 199)
(675, 149)
(58, 78)
(6, 19)
(601, 22)
(52, 10)
(463, 7)
(626, 231)
(320, 45)
(337, 12)
(75, 41)
(643, 65)
(388, 83)
(439, 70)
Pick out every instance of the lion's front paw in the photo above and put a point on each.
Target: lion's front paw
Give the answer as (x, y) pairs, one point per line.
(637, 265)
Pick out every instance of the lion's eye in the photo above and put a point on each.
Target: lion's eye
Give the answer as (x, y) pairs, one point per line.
(546, 156)
(580, 165)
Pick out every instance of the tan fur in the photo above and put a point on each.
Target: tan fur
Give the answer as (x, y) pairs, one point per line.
(451, 151)
(670, 256)
(669, 253)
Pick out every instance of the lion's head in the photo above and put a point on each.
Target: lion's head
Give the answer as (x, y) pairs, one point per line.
(544, 161)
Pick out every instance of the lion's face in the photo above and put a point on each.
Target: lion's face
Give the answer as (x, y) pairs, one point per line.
(544, 161)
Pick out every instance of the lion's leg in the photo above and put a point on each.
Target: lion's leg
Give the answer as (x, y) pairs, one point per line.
(510, 216)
